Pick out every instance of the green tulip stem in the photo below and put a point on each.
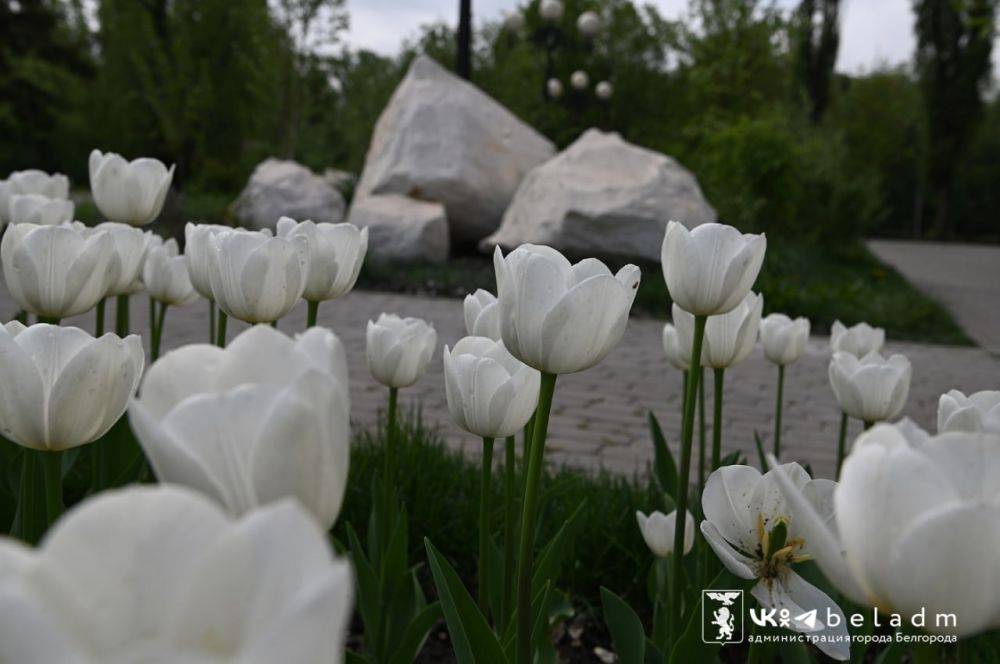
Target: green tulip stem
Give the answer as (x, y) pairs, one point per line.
(31, 505)
(49, 321)
(154, 351)
(841, 441)
(719, 384)
(211, 322)
(684, 471)
(484, 526)
(312, 313)
(152, 320)
(121, 316)
(868, 425)
(701, 427)
(777, 411)
(684, 384)
(389, 462)
(220, 339)
(21, 316)
(274, 324)
(526, 447)
(529, 512)
(99, 317)
(508, 532)
(52, 472)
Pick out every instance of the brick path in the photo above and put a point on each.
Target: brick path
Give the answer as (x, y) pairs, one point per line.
(598, 416)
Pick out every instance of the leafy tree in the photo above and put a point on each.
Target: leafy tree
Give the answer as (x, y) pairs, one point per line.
(818, 37)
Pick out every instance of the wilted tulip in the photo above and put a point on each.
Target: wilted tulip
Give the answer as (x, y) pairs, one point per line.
(399, 349)
(38, 209)
(490, 393)
(579, 80)
(858, 340)
(62, 387)
(658, 531)
(336, 252)
(589, 24)
(554, 88)
(604, 90)
(710, 270)
(255, 277)
(160, 574)
(753, 533)
(974, 413)
(872, 389)
(129, 192)
(729, 338)
(558, 317)
(677, 354)
(263, 419)
(165, 275)
(916, 527)
(130, 245)
(482, 315)
(196, 254)
(784, 339)
(57, 271)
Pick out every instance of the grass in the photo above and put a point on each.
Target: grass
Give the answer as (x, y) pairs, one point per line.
(823, 283)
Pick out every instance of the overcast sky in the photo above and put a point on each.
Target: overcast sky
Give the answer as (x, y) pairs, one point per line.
(873, 32)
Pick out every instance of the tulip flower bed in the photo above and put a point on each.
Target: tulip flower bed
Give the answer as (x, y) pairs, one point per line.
(214, 514)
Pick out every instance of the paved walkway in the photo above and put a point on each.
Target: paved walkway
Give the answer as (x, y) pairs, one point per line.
(965, 278)
(599, 416)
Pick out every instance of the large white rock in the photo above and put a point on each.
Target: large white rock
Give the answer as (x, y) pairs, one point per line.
(443, 139)
(279, 188)
(603, 196)
(402, 229)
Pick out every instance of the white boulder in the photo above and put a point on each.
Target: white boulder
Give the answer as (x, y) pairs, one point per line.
(443, 139)
(402, 229)
(603, 196)
(279, 188)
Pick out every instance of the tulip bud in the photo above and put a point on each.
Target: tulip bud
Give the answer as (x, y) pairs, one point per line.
(257, 278)
(784, 340)
(482, 315)
(658, 531)
(196, 251)
(399, 349)
(130, 245)
(559, 317)
(165, 275)
(129, 192)
(859, 340)
(554, 87)
(604, 90)
(589, 24)
(579, 80)
(729, 337)
(336, 252)
(551, 10)
(58, 271)
(872, 389)
(710, 270)
(677, 354)
(265, 418)
(64, 388)
(39, 209)
(490, 393)
(974, 413)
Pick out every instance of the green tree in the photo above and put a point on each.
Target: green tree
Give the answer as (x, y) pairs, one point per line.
(818, 38)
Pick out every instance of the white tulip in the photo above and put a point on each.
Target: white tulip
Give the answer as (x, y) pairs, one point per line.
(858, 340)
(160, 574)
(490, 393)
(579, 80)
(165, 275)
(129, 192)
(398, 349)
(973, 413)
(482, 315)
(57, 271)
(255, 277)
(336, 252)
(554, 87)
(729, 338)
(559, 317)
(916, 528)
(751, 529)
(551, 10)
(196, 252)
(658, 531)
(589, 24)
(130, 246)
(872, 389)
(677, 354)
(38, 209)
(604, 90)
(31, 182)
(710, 270)
(62, 387)
(264, 418)
(784, 339)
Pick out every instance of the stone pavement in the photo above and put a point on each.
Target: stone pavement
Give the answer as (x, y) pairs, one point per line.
(965, 278)
(599, 416)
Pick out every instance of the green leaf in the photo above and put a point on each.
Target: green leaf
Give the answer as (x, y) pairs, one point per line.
(472, 639)
(761, 454)
(416, 632)
(663, 461)
(552, 555)
(626, 630)
(352, 657)
(369, 591)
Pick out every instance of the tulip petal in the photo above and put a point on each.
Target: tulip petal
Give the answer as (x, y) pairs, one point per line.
(737, 563)
(23, 397)
(578, 332)
(794, 594)
(726, 503)
(179, 374)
